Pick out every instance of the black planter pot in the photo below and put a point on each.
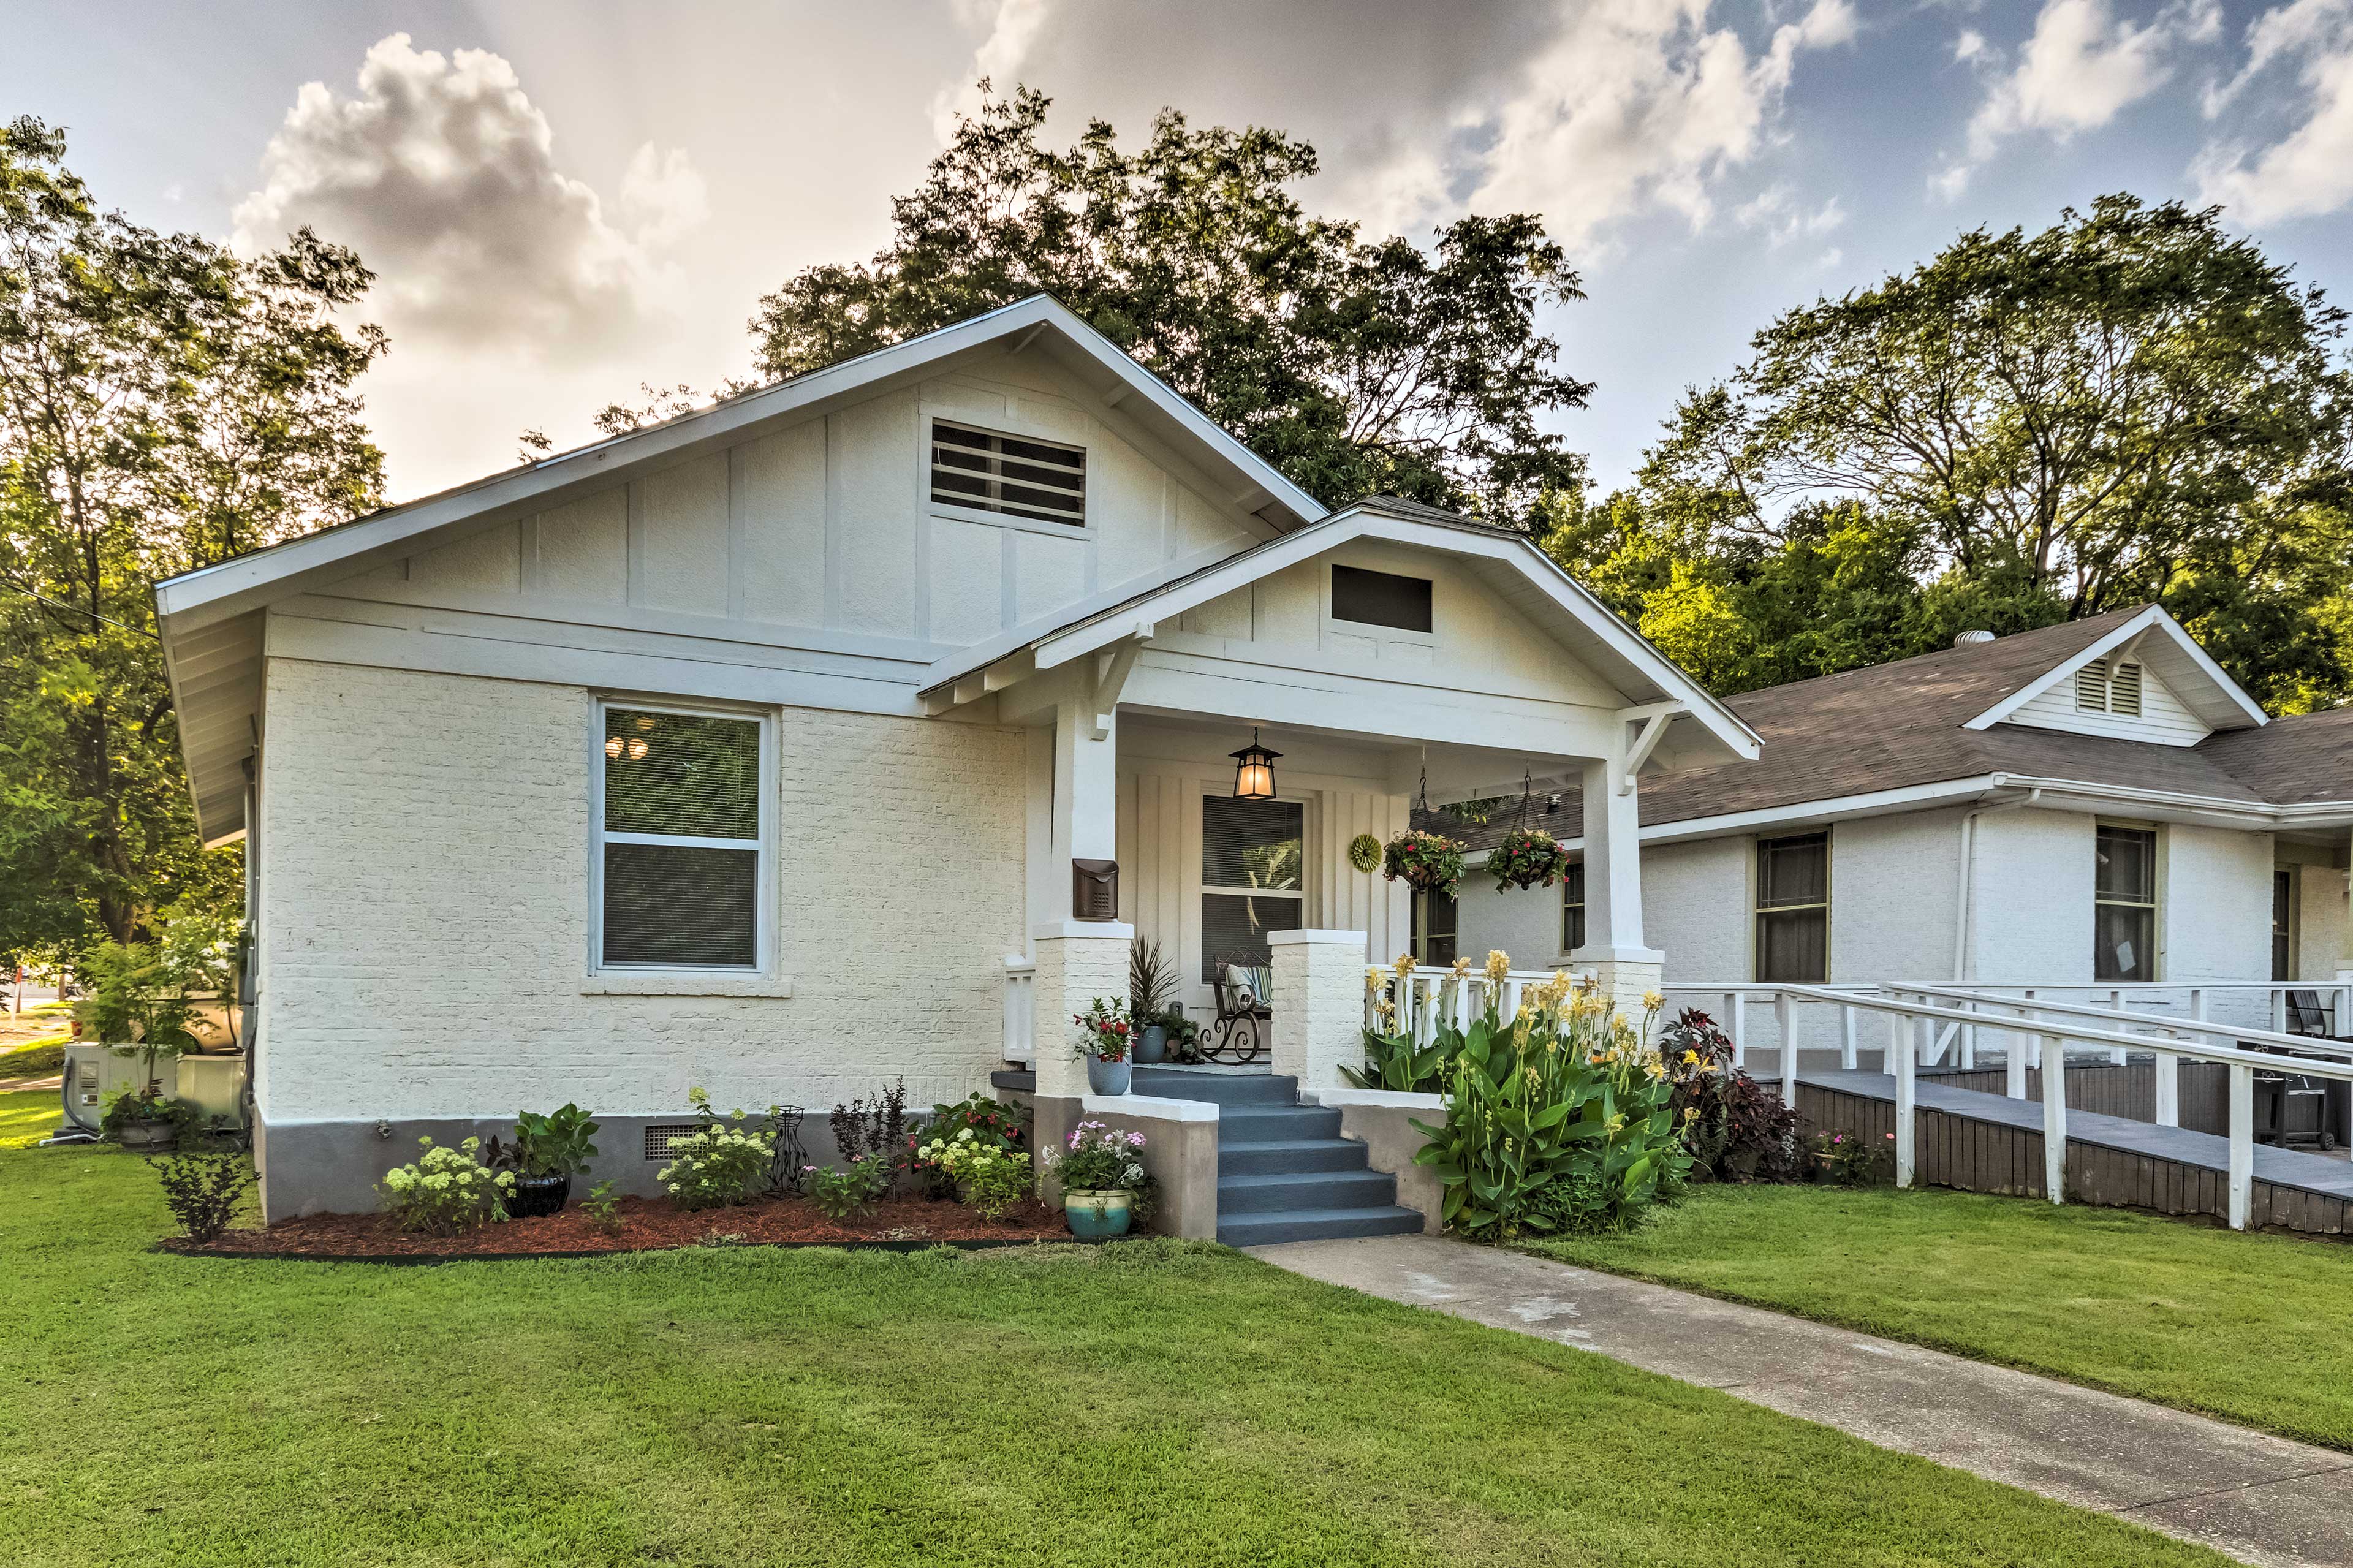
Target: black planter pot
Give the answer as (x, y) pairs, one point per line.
(534, 1195)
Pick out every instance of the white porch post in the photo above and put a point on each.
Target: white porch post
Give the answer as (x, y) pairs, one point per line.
(2345, 940)
(1077, 960)
(1614, 953)
(1318, 1005)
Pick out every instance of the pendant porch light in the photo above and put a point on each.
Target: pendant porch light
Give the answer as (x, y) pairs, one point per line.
(1254, 771)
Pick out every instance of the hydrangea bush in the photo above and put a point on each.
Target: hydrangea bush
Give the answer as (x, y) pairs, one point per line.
(989, 1179)
(447, 1191)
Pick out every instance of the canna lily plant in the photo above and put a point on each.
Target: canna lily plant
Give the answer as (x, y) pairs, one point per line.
(1558, 1114)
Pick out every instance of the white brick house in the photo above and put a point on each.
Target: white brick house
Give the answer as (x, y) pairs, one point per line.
(927, 628)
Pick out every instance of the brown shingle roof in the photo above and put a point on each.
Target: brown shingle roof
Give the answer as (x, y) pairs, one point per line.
(1899, 724)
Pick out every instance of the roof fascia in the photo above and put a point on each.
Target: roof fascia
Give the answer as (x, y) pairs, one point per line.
(2152, 620)
(215, 593)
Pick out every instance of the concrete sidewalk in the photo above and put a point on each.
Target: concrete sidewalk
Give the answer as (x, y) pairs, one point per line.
(2261, 1498)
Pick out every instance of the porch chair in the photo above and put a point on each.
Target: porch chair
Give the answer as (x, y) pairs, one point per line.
(1242, 988)
(2309, 1015)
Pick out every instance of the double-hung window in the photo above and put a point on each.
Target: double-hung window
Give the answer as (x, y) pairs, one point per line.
(1436, 918)
(2124, 904)
(1572, 907)
(1251, 883)
(1793, 908)
(681, 829)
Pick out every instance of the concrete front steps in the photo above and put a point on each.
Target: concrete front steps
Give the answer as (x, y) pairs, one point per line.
(1284, 1173)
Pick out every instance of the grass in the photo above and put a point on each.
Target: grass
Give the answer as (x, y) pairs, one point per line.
(34, 1059)
(1149, 1403)
(2230, 1325)
(28, 1116)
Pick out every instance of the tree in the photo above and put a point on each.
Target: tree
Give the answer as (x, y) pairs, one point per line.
(2130, 406)
(164, 405)
(1353, 367)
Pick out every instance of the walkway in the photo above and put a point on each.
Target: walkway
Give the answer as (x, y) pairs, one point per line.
(2261, 1498)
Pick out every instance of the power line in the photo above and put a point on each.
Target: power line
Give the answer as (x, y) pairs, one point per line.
(73, 609)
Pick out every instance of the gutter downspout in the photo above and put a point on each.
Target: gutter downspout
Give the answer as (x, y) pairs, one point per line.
(1964, 951)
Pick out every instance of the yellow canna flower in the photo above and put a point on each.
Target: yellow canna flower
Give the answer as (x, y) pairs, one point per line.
(1375, 978)
(1404, 965)
(1499, 964)
(1691, 1058)
(1653, 1000)
(1461, 966)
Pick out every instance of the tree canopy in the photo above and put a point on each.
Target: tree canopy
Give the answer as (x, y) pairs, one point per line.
(164, 405)
(1353, 367)
(2131, 405)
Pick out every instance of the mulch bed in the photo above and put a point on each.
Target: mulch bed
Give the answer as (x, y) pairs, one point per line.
(646, 1225)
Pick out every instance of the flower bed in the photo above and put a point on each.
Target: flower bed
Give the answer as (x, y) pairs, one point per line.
(643, 1225)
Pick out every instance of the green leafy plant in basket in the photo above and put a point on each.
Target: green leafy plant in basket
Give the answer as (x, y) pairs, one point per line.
(1527, 858)
(1426, 862)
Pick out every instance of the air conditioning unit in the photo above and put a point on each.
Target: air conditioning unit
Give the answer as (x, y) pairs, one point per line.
(213, 1084)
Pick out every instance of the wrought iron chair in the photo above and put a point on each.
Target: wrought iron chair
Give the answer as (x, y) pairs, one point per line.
(1240, 1034)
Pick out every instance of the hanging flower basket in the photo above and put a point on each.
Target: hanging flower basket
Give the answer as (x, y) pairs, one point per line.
(1426, 862)
(1527, 858)
(1364, 852)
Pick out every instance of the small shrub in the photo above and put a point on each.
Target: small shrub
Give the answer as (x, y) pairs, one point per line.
(447, 1191)
(1854, 1161)
(203, 1191)
(850, 1188)
(719, 1163)
(603, 1207)
(1736, 1128)
(989, 1177)
(990, 1121)
(865, 1129)
(126, 1106)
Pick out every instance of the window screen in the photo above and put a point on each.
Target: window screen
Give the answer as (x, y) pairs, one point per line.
(1008, 474)
(1793, 908)
(1380, 599)
(1572, 901)
(2124, 905)
(679, 841)
(1250, 877)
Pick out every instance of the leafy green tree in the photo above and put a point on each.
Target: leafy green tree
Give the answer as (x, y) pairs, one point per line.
(164, 405)
(2129, 405)
(1352, 366)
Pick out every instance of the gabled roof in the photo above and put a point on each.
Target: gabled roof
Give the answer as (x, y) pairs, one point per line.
(2157, 640)
(210, 619)
(1613, 650)
(1911, 726)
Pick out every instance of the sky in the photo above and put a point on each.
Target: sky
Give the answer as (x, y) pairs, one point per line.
(566, 201)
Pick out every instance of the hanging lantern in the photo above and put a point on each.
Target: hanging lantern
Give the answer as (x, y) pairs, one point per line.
(1254, 771)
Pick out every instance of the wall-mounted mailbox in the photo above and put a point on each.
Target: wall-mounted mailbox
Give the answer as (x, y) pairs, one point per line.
(1094, 889)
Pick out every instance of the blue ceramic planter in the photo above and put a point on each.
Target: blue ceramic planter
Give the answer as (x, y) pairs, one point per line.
(1097, 1215)
(1108, 1078)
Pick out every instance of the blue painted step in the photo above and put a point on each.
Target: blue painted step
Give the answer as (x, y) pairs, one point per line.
(1279, 1155)
(1317, 1225)
(1358, 1189)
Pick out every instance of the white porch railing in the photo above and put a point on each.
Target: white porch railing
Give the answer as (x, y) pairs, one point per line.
(1918, 1031)
(1020, 1009)
(1422, 1003)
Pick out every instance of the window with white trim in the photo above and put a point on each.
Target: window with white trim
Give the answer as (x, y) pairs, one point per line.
(1252, 862)
(680, 839)
(1572, 907)
(2124, 904)
(1017, 476)
(1793, 908)
(2108, 686)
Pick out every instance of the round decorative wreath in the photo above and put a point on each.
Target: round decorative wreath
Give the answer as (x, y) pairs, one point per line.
(1426, 862)
(1527, 858)
(1364, 852)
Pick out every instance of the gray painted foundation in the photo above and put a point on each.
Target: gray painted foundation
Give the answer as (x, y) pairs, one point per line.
(332, 1167)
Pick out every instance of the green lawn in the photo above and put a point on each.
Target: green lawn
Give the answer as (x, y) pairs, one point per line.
(2247, 1327)
(1150, 1403)
(34, 1058)
(28, 1116)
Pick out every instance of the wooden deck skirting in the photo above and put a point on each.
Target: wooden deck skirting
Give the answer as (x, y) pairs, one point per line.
(1979, 1142)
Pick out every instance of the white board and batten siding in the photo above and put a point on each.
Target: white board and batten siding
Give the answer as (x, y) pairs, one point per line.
(808, 564)
(2164, 719)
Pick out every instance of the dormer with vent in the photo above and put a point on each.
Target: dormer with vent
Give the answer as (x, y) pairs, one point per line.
(2146, 680)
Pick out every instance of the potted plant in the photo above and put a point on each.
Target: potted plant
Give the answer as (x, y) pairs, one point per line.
(1426, 862)
(547, 1152)
(1106, 1037)
(1527, 858)
(1151, 987)
(137, 1005)
(1103, 1179)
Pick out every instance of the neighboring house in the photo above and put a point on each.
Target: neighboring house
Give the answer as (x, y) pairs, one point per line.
(745, 751)
(2091, 802)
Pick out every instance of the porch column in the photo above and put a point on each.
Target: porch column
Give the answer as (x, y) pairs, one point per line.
(1077, 960)
(2345, 935)
(1318, 1005)
(1614, 953)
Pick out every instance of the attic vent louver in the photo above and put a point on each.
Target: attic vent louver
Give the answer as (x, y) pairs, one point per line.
(2108, 687)
(1041, 480)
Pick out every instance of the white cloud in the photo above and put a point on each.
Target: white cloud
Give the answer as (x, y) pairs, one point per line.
(1586, 113)
(1776, 210)
(442, 172)
(2081, 67)
(1830, 259)
(2307, 169)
